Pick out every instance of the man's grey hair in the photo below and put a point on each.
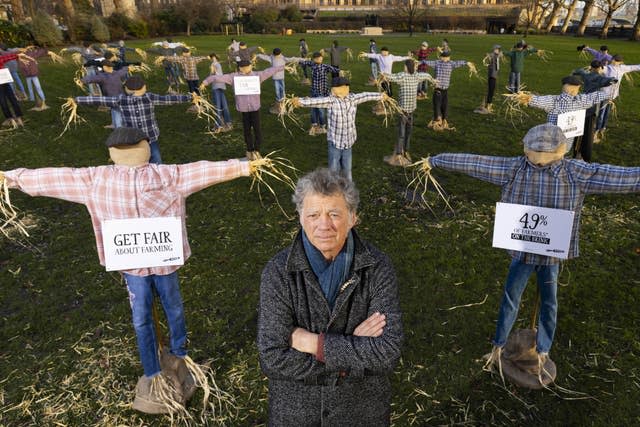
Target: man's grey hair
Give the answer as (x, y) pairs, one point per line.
(327, 183)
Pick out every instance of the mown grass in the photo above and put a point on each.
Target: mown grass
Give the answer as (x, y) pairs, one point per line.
(65, 322)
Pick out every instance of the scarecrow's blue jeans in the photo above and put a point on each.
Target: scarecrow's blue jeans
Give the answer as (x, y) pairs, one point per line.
(155, 153)
(340, 160)
(279, 87)
(514, 82)
(222, 108)
(116, 118)
(603, 115)
(142, 290)
(517, 279)
(318, 116)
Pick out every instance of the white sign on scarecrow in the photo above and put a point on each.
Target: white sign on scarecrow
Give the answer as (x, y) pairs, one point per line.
(572, 123)
(533, 229)
(142, 243)
(5, 76)
(246, 85)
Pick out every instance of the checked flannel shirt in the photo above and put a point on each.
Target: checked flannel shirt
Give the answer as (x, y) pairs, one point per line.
(442, 70)
(408, 88)
(137, 111)
(341, 117)
(121, 192)
(599, 55)
(319, 78)
(618, 72)
(189, 65)
(560, 185)
(555, 105)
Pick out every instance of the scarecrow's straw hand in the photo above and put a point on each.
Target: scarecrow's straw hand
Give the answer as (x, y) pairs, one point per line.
(260, 49)
(473, 71)
(158, 61)
(362, 55)
(349, 55)
(486, 60)
(141, 53)
(77, 58)
(544, 55)
(55, 58)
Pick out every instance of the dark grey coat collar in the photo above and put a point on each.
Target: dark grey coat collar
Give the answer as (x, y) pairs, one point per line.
(297, 259)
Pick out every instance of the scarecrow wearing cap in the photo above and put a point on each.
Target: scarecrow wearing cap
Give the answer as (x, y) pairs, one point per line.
(409, 81)
(442, 71)
(594, 79)
(134, 188)
(138, 109)
(385, 62)
(373, 48)
(569, 100)
(165, 50)
(601, 55)
(189, 66)
(422, 54)
(516, 57)
(492, 61)
(540, 178)
(244, 53)
(616, 69)
(110, 81)
(319, 88)
(278, 59)
(335, 55)
(341, 129)
(247, 104)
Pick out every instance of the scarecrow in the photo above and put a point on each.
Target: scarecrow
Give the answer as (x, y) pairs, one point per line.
(442, 70)
(275, 60)
(569, 100)
(31, 71)
(335, 55)
(516, 57)
(616, 69)
(303, 48)
(167, 49)
(409, 82)
(601, 55)
(341, 133)
(12, 118)
(138, 109)
(244, 53)
(86, 55)
(132, 189)
(540, 178)
(492, 61)
(373, 48)
(223, 121)
(422, 54)
(246, 83)
(594, 79)
(110, 81)
(385, 62)
(319, 88)
(189, 67)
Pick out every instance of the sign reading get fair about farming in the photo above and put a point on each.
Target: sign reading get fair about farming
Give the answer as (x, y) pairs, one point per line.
(142, 243)
(533, 229)
(246, 85)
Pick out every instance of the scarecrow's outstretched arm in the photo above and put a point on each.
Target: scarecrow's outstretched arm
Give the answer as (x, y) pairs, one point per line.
(70, 184)
(193, 177)
(495, 170)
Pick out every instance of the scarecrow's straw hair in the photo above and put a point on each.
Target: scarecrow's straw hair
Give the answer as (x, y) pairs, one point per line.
(277, 168)
(544, 55)
(77, 58)
(349, 53)
(8, 214)
(158, 61)
(514, 105)
(390, 108)
(55, 58)
(287, 111)
(69, 114)
(142, 68)
(422, 177)
(141, 53)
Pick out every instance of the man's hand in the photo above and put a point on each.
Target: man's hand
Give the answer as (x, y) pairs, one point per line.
(304, 341)
(372, 326)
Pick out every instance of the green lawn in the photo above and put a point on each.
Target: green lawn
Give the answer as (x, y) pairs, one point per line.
(69, 356)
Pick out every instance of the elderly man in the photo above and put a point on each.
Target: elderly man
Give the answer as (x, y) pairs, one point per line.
(329, 328)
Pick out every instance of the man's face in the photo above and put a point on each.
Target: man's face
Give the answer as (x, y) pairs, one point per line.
(246, 69)
(340, 91)
(326, 221)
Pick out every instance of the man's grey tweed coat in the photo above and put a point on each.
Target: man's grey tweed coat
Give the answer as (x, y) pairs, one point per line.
(304, 391)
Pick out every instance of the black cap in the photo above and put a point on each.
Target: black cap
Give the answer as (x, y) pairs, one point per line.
(316, 55)
(107, 64)
(573, 80)
(244, 63)
(604, 47)
(134, 83)
(445, 53)
(125, 136)
(596, 64)
(277, 51)
(340, 81)
(617, 57)
(384, 48)
(580, 47)
(519, 45)
(242, 44)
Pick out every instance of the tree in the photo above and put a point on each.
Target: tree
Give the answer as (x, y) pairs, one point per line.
(409, 10)
(609, 7)
(586, 14)
(99, 29)
(567, 19)
(44, 30)
(558, 5)
(635, 34)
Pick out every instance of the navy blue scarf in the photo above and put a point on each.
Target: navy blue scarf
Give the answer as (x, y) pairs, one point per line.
(330, 274)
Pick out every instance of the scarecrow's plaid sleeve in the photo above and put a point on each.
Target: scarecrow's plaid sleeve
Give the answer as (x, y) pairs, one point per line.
(168, 99)
(443, 70)
(555, 105)
(408, 88)
(496, 170)
(101, 101)
(121, 192)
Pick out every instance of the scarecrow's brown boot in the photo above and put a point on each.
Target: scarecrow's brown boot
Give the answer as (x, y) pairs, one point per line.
(148, 400)
(176, 369)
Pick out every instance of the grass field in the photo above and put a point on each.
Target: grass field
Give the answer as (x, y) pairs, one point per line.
(69, 354)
